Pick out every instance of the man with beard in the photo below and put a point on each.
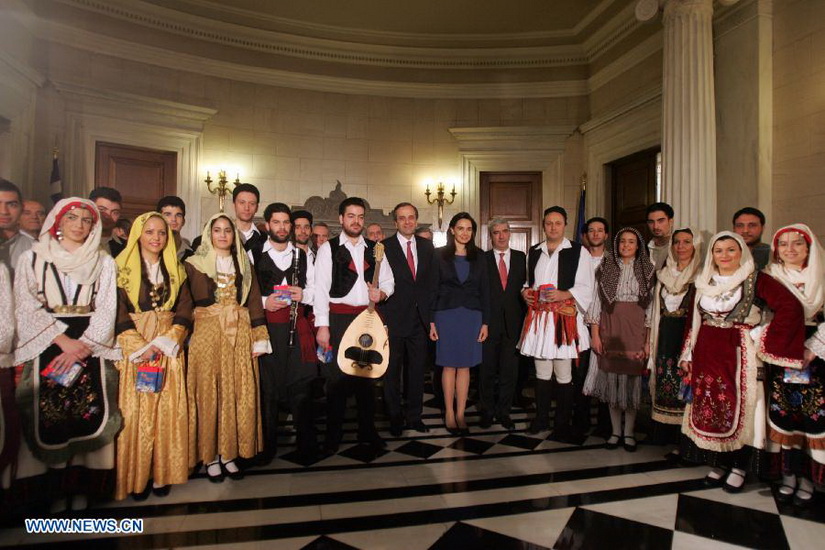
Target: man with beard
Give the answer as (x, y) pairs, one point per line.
(660, 223)
(286, 374)
(109, 202)
(302, 231)
(344, 271)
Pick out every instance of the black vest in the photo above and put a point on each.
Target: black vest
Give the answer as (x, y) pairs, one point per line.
(343, 274)
(568, 265)
(269, 275)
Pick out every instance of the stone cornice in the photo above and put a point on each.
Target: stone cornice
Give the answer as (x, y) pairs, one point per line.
(335, 51)
(512, 138)
(642, 99)
(71, 36)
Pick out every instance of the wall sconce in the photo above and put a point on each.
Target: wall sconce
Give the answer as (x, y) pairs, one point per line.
(222, 187)
(440, 200)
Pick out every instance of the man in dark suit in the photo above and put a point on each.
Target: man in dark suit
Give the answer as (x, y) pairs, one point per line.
(499, 367)
(407, 314)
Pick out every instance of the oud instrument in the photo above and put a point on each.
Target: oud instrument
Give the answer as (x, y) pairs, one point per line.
(365, 347)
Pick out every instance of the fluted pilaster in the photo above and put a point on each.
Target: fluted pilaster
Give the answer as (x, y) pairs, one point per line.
(689, 115)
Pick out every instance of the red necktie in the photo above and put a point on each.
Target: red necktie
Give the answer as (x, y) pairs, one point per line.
(502, 271)
(410, 259)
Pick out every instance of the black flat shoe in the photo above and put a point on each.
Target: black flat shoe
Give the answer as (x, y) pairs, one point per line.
(218, 477)
(236, 475)
(508, 424)
(733, 489)
(611, 446)
(143, 495)
(161, 491)
(784, 497)
(419, 427)
(802, 502)
(485, 421)
(628, 446)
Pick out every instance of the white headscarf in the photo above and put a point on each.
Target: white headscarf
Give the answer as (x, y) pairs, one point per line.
(675, 283)
(706, 286)
(812, 275)
(83, 266)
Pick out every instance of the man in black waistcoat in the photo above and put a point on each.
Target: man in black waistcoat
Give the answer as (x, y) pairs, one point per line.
(407, 314)
(561, 286)
(286, 374)
(344, 269)
(499, 368)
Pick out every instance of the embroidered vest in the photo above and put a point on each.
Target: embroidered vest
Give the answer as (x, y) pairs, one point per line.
(568, 265)
(270, 275)
(344, 274)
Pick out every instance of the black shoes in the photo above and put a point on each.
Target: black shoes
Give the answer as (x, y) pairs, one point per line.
(396, 426)
(507, 423)
(630, 444)
(161, 491)
(485, 421)
(613, 444)
(419, 427)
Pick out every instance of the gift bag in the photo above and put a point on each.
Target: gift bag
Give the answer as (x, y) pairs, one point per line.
(149, 377)
(65, 376)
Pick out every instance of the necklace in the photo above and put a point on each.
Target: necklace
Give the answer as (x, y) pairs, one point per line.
(156, 291)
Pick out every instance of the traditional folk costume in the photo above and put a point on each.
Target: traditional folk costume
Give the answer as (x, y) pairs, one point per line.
(555, 332)
(288, 371)
(222, 374)
(796, 407)
(671, 301)
(154, 309)
(621, 309)
(727, 415)
(342, 270)
(68, 429)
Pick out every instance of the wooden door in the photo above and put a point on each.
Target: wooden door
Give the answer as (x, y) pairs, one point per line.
(634, 179)
(142, 176)
(516, 197)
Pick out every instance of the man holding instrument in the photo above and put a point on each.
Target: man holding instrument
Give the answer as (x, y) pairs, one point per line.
(287, 280)
(344, 269)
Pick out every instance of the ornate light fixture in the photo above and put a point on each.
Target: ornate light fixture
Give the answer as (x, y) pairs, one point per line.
(440, 200)
(222, 187)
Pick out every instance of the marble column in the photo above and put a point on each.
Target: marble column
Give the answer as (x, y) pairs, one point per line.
(689, 109)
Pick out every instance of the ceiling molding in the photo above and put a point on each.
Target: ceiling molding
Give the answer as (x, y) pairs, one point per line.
(642, 99)
(633, 57)
(512, 138)
(77, 38)
(334, 51)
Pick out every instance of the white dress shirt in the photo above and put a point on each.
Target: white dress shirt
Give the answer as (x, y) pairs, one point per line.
(248, 235)
(359, 293)
(283, 260)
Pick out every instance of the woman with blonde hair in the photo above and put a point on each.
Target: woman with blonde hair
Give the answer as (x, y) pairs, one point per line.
(154, 316)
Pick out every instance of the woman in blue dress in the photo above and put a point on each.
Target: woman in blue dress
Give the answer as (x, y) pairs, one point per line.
(460, 316)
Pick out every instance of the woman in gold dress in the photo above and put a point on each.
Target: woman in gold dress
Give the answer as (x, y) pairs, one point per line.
(154, 315)
(229, 334)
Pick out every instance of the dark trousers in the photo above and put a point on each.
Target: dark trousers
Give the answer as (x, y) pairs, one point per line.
(286, 382)
(499, 374)
(406, 353)
(340, 386)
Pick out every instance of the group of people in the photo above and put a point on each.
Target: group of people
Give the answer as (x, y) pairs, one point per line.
(138, 356)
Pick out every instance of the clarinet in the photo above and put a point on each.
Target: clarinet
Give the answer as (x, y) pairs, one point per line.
(293, 308)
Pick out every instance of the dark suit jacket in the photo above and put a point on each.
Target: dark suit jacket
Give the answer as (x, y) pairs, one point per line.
(473, 293)
(507, 308)
(411, 301)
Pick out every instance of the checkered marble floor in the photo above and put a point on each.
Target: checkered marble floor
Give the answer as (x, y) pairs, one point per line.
(490, 489)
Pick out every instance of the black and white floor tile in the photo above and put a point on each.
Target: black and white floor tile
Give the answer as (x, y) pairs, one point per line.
(490, 489)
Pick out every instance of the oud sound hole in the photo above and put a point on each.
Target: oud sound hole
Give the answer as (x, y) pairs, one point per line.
(365, 341)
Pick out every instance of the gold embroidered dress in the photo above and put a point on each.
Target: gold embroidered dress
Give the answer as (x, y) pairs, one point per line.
(222, 379)
(154, 308)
